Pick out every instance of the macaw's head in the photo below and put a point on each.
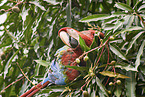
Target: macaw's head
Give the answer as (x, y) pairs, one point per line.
(70, 36)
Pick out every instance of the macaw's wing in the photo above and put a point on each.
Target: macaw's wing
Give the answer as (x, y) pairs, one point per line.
(58, 73)
(55, 75)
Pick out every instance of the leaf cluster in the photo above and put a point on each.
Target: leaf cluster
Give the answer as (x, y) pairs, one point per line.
(29, 36)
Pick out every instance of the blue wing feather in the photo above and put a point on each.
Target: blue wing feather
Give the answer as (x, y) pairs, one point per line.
(56, 75)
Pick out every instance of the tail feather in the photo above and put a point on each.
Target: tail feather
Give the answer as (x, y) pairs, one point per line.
(34, 90)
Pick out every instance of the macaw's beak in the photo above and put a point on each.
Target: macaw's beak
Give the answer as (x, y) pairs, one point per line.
(69, 36)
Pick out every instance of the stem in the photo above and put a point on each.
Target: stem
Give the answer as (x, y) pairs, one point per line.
(14, 5)
(10, 34)
(85, 84)
(94, 49)
(68, 12)
(12, 83)
(140, 18)
(26, 76)
(108, 58)
(108, 54)
(108, 79)
(99, 57)
(114, 69)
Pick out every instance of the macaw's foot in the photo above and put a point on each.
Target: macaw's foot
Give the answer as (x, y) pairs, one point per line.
(34, 90)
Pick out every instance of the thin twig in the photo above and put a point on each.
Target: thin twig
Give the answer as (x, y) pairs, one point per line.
(108, 54)
(26, 76)
(99, 57)
(101, 53)
(108, 79)
(114, 70)
(12, 84)
(108, 58)
(10, 34)
(85, 84)
(14, 5)
(140, 18)
(94, 49)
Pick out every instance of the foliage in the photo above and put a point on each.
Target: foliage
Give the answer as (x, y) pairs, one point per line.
(29, 36)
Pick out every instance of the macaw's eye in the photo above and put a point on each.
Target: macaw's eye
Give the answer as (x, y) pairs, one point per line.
(73, 42)
(72, 30)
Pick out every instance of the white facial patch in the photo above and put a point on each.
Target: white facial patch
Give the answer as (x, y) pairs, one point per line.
(73, 33)
(64, 37)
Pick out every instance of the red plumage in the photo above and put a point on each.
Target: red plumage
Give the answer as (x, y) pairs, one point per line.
(69, 56)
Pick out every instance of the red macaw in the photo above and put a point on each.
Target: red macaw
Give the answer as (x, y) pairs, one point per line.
(66, 55)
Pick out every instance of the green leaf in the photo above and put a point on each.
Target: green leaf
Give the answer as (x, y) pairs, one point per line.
(11, 35)
(130, 21)
(101, 94)
(116, 50)
(76, 83)
(95, 42)
(77, 68)
(142, 15)
(119, 13)
(7, 40)
(43, 63)
(117, 25)
(104, 65)
(109, 26)
(110, 20)
(37, 69)
(128, 29)
(93, 94)
(8, 64)
(37, 4)
(95, 17)
(136, 20)
(136, 4)
(28, 31)
(3, 2)
(46, 90)
(112, 74)
(128, 2)
(133, 41)
(24, 87)
(24, 14)
(130, 84)
(125, 66)
(141, 7)
(56, 87)
(52, 2)
(117, 91)
(54, 94)
(124, 7)
(142, 69)
(140, 52)
(101, 86)
(83, 44)
(3, 17)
